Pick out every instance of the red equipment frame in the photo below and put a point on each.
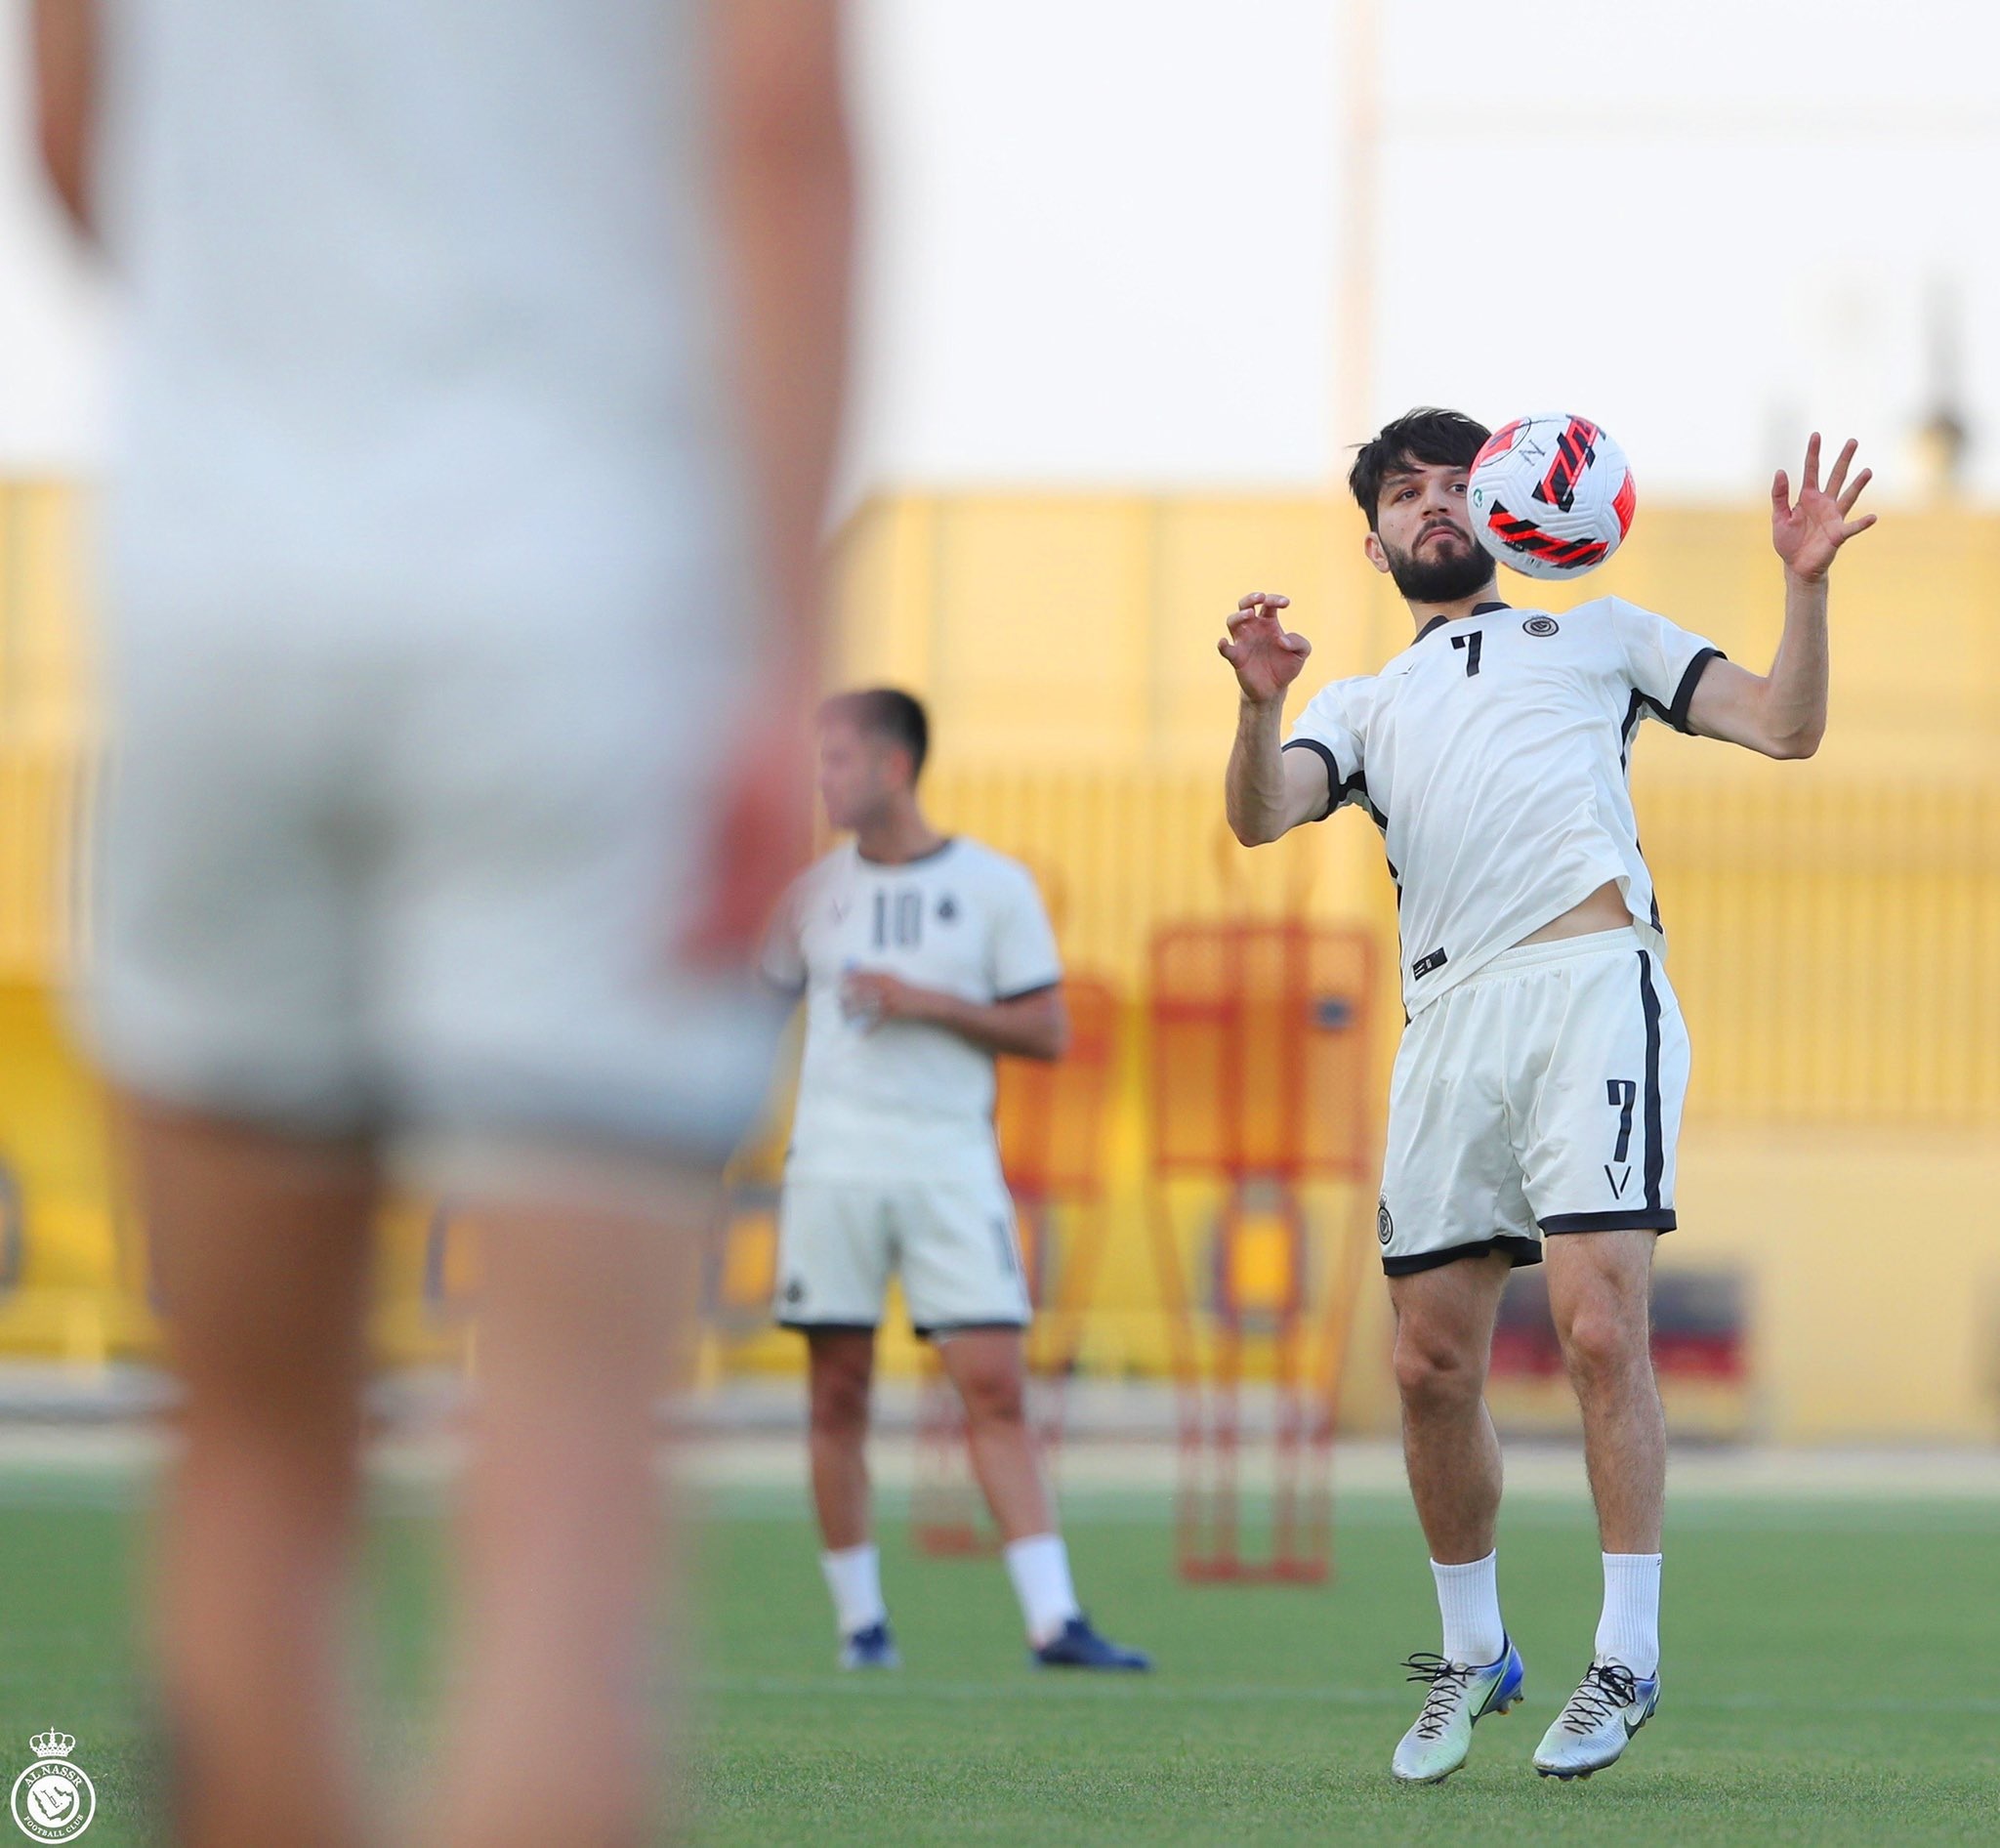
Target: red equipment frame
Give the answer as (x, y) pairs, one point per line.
(1261, 1079)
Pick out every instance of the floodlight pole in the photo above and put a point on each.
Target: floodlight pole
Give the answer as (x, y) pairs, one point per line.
(1360, 186)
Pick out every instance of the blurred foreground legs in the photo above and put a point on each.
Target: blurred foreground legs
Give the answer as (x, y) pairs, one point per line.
(560, 1555)
(260, 1245)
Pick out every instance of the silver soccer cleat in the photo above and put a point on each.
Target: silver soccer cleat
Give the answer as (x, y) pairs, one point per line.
(1460, 1697)
(1608, 1706)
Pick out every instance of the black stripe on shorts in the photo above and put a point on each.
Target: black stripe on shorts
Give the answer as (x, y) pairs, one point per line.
(1656, 1153)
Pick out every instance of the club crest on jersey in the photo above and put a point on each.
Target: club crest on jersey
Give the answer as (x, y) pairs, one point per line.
(1541, 625)
(1384, 1227)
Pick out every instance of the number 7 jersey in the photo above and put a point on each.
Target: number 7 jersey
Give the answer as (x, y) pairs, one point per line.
(901, 1099)
(1494, 753)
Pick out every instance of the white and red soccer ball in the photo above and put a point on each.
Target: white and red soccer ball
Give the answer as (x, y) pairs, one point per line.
(1551, 495)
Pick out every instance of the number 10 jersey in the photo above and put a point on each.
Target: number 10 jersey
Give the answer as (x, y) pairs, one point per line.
(1494, 753)
(900, 1100)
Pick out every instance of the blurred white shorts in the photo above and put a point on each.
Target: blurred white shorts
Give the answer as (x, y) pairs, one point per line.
(1541, 1096)
(952, 1244)
(422, 888)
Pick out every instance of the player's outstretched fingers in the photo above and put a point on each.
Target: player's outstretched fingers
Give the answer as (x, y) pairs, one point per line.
(1853, 493)
(1780, 492)
(1809, 480)
(1838, 478)
(1261, 598)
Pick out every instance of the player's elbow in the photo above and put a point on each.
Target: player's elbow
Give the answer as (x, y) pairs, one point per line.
(1779, 728)
(1789, 746)
(62, 166)
(1254, 830)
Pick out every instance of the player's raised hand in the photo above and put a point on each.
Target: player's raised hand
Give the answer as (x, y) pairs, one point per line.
(1266, 654)
(1808, 531)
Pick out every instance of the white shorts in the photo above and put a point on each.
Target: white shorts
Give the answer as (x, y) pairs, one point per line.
(953, 1244)
(428, 891)
(1542, 1095)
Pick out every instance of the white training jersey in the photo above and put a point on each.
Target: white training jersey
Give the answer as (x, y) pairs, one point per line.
(901, 1099)
(1494, 753)
(416, 335)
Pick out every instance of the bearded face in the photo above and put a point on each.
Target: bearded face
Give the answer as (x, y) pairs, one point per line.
(1444, 564)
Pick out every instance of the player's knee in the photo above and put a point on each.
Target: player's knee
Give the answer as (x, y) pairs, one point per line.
(839, 1410)
(993, 1396)
(1603, 1338)
(1433, 1371)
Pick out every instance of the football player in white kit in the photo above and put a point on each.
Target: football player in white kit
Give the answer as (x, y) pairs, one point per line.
(919, 957)
(460, 753)
(1537, 1093)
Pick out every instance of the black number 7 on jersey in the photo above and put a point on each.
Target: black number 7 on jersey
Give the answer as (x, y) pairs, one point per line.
(1471, 644)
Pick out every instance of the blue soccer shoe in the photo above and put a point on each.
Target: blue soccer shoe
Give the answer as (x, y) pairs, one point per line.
(1081, 1646)
(872, 1648)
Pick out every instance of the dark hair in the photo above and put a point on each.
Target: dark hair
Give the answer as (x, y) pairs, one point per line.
(885, 712)
(1421, 436)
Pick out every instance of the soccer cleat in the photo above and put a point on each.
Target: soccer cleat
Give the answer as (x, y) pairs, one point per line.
(1608, 1706)
(1078, 1646)
(872, 1648)
(1460, 1697)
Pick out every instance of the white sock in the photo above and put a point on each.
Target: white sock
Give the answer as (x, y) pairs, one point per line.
(1039, 1567)
(854, 1576)
(1469, 1601)
(1629, 1631)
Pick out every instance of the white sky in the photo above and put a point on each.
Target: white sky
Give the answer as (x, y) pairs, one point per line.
(1106, 235)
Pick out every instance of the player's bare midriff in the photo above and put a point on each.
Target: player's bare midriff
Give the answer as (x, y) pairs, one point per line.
(1604, 910)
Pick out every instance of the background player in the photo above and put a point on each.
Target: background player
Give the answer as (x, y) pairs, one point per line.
(920, 957)
(444, 817)
(1537, 1092)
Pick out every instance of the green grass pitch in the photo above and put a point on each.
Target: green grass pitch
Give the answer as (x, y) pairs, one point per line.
(1832, 1676)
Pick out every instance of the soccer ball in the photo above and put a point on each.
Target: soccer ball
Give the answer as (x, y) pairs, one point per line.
(1551, 495)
